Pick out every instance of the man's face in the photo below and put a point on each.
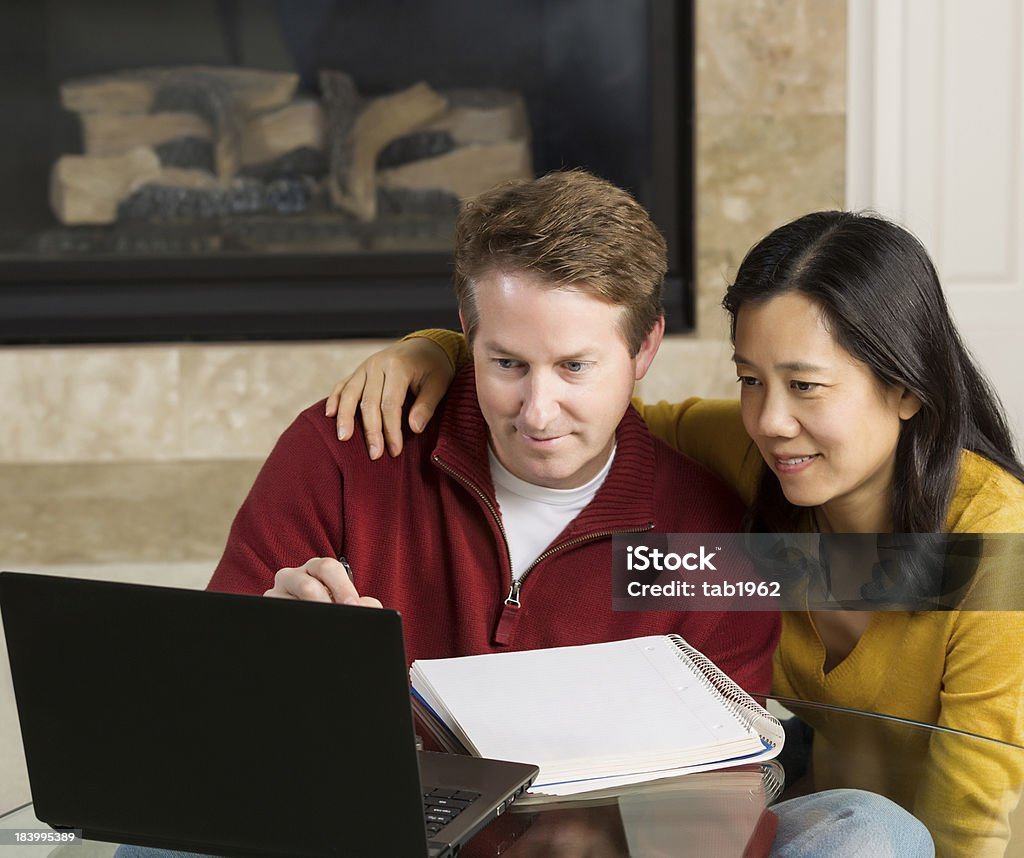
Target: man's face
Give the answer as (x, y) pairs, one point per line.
(553, 376)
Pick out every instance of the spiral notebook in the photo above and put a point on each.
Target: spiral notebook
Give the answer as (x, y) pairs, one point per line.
(597, 716)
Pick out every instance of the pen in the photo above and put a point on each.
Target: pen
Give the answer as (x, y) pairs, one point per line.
(348, 568)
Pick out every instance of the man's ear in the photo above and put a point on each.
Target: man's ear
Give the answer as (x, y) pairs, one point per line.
(648, 349)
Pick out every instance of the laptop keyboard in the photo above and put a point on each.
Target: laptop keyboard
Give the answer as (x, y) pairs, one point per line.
(441, 806)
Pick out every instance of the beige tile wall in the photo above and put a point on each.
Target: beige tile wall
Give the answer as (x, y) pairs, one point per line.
(130, 461)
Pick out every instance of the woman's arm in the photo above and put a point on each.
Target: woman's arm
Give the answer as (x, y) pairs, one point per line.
(969, 786)
(711, 432)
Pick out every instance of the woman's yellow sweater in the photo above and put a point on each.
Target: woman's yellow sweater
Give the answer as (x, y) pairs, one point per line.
(958, 669)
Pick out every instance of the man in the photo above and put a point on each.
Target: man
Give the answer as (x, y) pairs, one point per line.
(494, 529)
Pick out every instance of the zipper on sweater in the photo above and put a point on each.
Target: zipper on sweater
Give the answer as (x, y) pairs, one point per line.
(509, 618)
(468, 483)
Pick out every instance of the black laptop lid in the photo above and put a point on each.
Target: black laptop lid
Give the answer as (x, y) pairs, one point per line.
(184, 719)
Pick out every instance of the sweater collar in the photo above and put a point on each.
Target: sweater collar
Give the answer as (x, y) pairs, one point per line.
(625, 500)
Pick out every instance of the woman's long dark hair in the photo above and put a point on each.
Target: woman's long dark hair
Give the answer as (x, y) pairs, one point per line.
(883, 303)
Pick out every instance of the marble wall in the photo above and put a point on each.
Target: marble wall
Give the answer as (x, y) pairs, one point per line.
(771, 111)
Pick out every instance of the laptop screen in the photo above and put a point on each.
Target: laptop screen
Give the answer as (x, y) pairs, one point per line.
(212, 721)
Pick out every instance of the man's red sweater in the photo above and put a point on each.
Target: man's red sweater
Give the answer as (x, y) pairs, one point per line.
(423, 534)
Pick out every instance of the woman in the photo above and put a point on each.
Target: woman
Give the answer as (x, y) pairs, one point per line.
(860, 412)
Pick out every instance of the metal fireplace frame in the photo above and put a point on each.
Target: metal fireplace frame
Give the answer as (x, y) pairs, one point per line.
(293, 297)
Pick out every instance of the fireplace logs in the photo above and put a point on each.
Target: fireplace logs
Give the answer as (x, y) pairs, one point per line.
(215, 146)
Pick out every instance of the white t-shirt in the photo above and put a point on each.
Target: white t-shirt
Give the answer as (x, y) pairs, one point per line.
(534, 515)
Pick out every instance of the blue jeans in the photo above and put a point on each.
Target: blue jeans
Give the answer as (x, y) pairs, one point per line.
(850, 823)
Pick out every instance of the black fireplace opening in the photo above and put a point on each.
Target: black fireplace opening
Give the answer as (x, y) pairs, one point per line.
(268, 169)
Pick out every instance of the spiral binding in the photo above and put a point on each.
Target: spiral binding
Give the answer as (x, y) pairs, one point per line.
(740, 704)
(773, 776)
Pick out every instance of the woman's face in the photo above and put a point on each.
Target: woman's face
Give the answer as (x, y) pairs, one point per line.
(825, 425)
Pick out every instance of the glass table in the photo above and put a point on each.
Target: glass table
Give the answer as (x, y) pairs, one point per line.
(722, 810)
(727, 812)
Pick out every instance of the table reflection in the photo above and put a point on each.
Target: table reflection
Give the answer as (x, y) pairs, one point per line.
(722, 813)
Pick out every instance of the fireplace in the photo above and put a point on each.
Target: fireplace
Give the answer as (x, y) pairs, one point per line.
(266, 169)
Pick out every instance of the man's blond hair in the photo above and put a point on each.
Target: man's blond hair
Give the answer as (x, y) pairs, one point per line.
(573, 229)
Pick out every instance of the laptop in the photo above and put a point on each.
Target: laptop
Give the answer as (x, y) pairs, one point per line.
(232, 725)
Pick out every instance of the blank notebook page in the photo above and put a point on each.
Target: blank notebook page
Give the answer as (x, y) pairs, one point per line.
(635, 698)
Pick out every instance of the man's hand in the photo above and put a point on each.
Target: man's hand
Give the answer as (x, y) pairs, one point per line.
(320, 579)
(378, 388)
